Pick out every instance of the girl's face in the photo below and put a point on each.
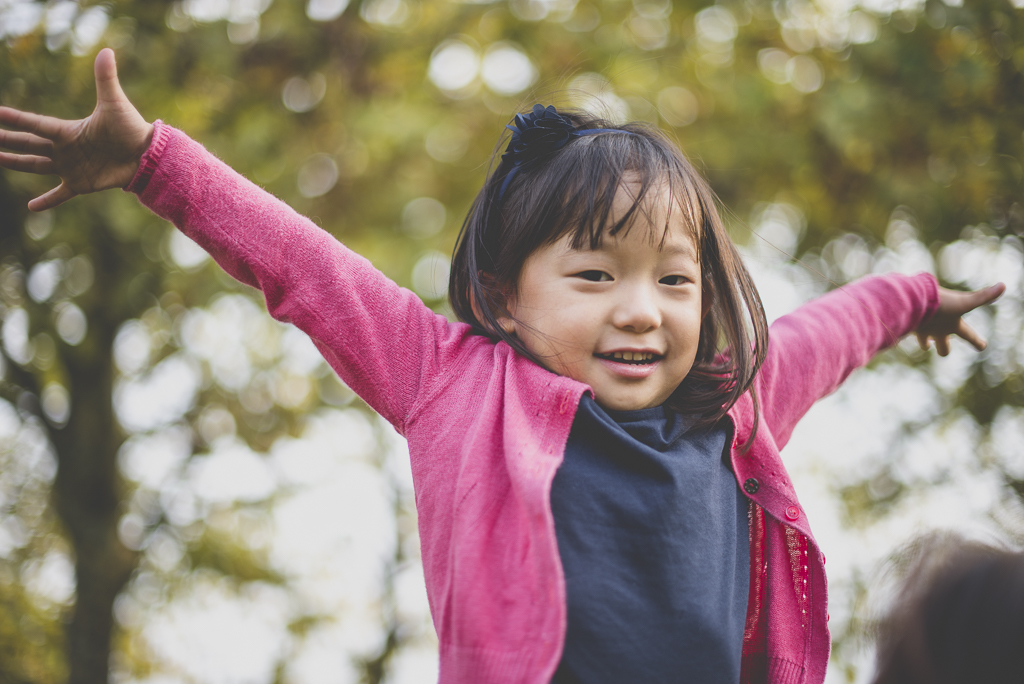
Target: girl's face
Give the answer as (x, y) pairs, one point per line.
(624, 318)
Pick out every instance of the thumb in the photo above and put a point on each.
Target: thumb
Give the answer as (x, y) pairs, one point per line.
(987, 295)
(108, 89)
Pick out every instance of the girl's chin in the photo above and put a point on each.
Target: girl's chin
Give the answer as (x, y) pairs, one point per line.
(620, 404)
(611, 400)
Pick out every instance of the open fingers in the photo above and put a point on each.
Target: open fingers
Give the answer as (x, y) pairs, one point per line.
(25, 142)
(968, 333)
(59, 195)
(942, 345)
(44, 126)
(922, 339)
(27, 163)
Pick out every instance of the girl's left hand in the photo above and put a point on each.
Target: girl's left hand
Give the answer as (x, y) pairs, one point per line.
(948, 319)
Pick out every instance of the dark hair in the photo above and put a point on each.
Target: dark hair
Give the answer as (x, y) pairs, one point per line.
(571, 191)
(959, 618)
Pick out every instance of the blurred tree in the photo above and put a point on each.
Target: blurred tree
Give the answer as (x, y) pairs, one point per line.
(857, 139)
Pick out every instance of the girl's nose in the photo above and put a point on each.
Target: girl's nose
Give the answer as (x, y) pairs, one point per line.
(636, 311)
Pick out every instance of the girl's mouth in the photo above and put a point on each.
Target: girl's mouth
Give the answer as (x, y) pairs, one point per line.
(630, 357)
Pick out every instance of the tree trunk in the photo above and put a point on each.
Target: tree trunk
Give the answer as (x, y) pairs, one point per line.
(89, 489)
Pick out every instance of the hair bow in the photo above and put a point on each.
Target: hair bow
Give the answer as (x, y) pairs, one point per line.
(538, 133)
(535, 135)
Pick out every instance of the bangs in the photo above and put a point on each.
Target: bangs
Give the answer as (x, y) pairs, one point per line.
(583, 192)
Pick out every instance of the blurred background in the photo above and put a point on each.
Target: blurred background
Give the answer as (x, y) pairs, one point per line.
(189, 495)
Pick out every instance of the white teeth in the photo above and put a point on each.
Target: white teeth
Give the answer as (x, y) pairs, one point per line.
(633, 356)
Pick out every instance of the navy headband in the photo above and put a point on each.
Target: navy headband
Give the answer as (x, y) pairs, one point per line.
(538, 134)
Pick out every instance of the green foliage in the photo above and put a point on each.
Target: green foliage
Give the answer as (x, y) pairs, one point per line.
(231, 558)
(864, 122)
(30, 639)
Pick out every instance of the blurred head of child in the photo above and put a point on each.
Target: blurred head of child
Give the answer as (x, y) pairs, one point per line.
(958, 618)
(598, 252)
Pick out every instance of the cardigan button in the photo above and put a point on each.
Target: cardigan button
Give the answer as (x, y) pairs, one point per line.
(792, 512)
(751, 486)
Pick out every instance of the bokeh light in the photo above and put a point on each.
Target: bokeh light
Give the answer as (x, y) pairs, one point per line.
(184, 252)
(325, 10)
(423, 217)
(317, 176)
(430, 275)
(507, 70)
(386, 13)
(595, 93)
(43, 280)
(70, 322)
(454, 66)
(678, 106)
(303, 94)
(56, 404)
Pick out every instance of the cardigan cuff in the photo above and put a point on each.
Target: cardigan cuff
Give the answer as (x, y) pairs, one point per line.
(150, 160)
(932, 304)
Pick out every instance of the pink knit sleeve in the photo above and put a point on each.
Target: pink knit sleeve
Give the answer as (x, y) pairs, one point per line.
(380, 338)
(812, 350)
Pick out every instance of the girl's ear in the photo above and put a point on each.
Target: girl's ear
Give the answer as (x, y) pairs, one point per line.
(507, 324)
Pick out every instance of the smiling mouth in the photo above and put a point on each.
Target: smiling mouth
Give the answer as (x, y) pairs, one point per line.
(632, 358)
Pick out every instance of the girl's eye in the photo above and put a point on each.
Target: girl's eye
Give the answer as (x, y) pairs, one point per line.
(595, 276)
(674, 280)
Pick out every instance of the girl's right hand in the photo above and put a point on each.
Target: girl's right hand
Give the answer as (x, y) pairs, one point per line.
(948, 318)
(98, 152)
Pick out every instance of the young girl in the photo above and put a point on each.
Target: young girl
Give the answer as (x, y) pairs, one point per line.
(595, 448)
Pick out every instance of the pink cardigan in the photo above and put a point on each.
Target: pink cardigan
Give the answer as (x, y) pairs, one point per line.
(487, 428)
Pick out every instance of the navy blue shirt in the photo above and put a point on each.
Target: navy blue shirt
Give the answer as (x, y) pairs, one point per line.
(652, 533)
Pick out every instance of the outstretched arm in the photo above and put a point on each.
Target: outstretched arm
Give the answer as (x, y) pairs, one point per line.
(814, 349)
(380, 338)
(96, 153)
